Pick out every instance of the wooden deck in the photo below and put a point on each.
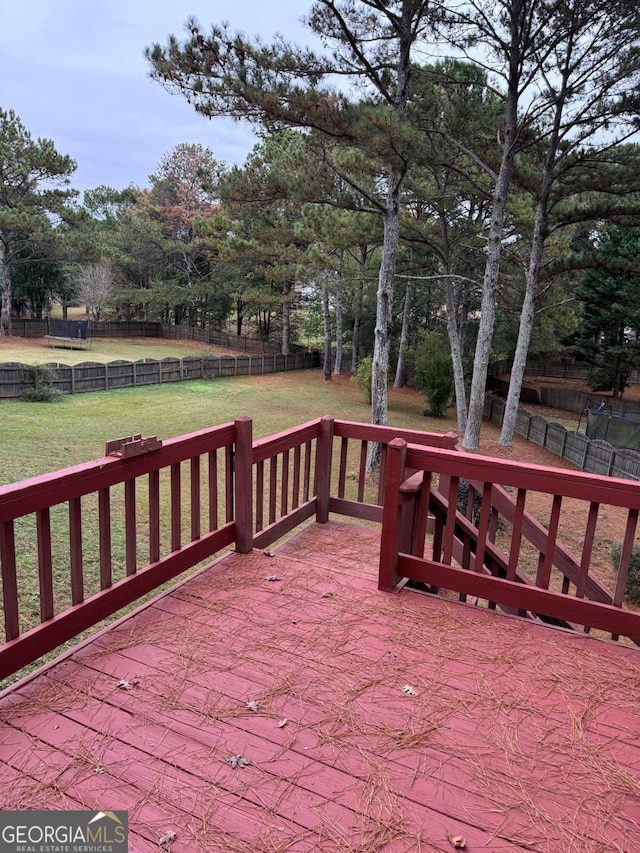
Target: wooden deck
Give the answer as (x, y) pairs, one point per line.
(382, 722)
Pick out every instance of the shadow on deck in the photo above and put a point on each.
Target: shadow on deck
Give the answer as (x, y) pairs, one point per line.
(381, 722)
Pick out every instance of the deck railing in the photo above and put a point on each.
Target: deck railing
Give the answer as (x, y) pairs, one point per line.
(483, 552)
(78, 545)
(88, 540)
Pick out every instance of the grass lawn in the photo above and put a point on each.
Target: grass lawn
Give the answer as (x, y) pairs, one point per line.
(35, 351)
(40, 437)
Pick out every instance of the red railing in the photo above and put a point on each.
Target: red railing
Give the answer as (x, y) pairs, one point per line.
(74, 541)
(86, 541)
(483, 557)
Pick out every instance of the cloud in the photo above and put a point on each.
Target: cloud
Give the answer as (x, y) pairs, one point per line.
(75, 72)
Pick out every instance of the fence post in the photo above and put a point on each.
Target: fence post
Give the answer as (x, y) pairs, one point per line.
(324, 453)
(242, 472)
(389, 543)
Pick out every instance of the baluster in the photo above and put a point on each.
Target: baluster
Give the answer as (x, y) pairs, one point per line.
(544, 567)
(213, 489)
(273, 487)
(259, 496)
(483, 526)
(307, 472)
(154, 516)
(342, 476)
(295, 503)
(45, 563)
(516, 535)
(176, 507)
(75, 550)
(362, 470)
(9, 580)
(195, 497)
(587, 548)
(450, 526)
(131, 538)
(104, 532)
(228, 475)
(284, 493)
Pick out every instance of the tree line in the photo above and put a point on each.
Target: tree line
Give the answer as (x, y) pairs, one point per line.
(490, 196)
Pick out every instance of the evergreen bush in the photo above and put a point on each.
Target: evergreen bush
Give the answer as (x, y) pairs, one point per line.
(362, 377)
(38, 378)
(433, 371)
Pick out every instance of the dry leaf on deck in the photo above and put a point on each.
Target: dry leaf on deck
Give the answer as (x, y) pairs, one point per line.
(252, 706)
(327, 595)
(167, 839)
(457, 841)
(273, 578)
(238, 761)
(283, 722)
(408, 689)
(123, 684)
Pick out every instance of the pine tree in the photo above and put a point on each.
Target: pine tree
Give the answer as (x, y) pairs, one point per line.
(30, 176)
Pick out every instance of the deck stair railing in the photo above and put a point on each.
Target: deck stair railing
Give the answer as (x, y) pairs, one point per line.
(504, 557)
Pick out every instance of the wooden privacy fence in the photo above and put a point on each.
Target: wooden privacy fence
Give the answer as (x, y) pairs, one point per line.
(592, 456)
(144, 329)
(95, 376)
(554, 371)
(567, 399)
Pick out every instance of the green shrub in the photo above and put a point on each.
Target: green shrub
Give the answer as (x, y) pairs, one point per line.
(362, 377)
(38, 379)
(433, 371)
(632, 589)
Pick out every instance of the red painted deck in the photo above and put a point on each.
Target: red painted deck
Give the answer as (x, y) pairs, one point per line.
(518, 738)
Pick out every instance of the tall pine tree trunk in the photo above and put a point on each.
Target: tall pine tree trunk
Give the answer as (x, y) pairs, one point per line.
(337, 369)
(326, 318)
(286, 317)
(471, 440)
(528, 313)
(5, 285)
(401, 367)
(453, 332)
(384, 313)
(357, 310)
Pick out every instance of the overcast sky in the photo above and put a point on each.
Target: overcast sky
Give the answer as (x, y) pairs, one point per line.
(74, 72)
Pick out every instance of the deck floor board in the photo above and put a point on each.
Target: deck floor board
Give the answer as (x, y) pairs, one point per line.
(513, 736)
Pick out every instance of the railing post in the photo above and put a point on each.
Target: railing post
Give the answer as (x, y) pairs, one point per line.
(390, 540)
(243, 475)
(324, 454)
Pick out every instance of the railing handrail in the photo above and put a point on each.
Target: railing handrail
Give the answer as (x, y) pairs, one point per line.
(385, 434)
(560, 481)
(287, 439)
(44, 490)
